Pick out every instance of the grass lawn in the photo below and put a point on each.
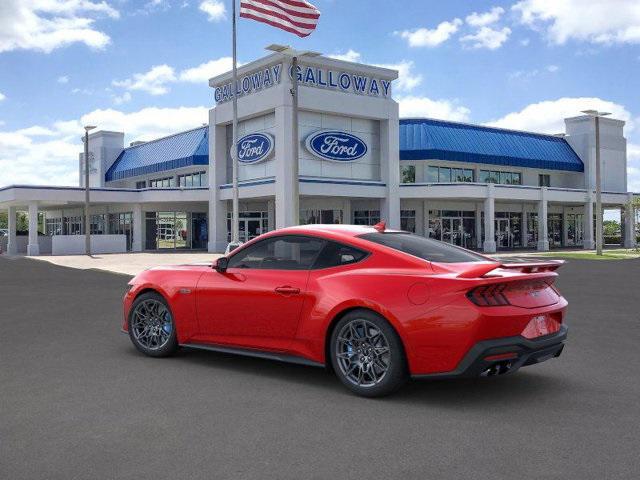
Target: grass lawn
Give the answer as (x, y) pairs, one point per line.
(606, 255)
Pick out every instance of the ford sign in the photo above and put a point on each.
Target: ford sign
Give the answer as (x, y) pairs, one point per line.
(255, 147)
(336, 146)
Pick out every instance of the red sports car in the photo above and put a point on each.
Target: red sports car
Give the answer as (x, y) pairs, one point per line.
(376, 306)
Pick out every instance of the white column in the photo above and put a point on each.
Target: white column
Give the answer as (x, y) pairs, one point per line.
(588, 242)
(629, 224)
(543, 236)
(218, 150)
(33, 248)
(285, 216)
(346, 212)
(479, 226)
(271, 214)
(12, 247)
(138, 228)
(489, 245)
(390, 165)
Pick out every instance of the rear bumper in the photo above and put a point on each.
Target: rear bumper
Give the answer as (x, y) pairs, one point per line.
(506, 355)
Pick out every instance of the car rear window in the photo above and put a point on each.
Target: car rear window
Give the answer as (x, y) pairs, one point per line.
(425, 248)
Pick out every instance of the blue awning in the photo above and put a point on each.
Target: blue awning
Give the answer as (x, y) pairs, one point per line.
(427, 139)
(176, 151)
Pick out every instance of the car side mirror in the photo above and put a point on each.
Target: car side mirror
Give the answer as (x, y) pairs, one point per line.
(221, 264)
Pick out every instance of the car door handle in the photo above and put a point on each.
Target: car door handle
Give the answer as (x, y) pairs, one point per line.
(287, 290)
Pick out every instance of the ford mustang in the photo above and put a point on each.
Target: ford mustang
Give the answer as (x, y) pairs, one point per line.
(376, 306)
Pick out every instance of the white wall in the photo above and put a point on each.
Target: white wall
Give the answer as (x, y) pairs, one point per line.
(613, 148)
(105, 147)
(75, 244)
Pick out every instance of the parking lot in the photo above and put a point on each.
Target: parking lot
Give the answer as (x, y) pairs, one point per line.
(78, 401)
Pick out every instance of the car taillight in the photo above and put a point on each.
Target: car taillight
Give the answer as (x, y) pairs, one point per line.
(489, 295)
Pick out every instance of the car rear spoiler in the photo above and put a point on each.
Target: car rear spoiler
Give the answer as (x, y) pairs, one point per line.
(483, 268)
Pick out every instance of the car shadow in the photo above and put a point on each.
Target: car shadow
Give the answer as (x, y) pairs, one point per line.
(475, 393)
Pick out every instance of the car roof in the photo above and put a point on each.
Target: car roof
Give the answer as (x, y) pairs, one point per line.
(335, 231)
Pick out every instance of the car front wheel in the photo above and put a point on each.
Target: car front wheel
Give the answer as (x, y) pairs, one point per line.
(151, 326)
(367, 354)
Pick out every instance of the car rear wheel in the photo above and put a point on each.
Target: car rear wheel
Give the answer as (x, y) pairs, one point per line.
(367, 354)
(151, 326)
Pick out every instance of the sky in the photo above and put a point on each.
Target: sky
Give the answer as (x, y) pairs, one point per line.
(142, 66)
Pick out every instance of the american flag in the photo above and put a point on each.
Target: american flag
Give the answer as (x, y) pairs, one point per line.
(295, 16)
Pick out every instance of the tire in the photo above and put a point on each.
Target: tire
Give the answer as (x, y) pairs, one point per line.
(152, 329)
(367, 354)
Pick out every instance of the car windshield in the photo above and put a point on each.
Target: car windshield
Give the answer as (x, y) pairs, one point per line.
(425, 248)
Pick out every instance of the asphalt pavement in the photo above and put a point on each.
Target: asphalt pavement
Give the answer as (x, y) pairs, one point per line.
(77, 401)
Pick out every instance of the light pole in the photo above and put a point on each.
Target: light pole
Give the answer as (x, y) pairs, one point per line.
(596, 115)
(87, 218)
(294, 55)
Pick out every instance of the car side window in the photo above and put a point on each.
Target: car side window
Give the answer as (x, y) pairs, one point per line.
(287, 252)
(335, 254)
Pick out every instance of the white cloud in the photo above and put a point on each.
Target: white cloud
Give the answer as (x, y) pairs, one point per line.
(525, 42)
(2, 96)
(203, 72)
(423, 37)
(407, 78)
(529, 74)
(483, 19)
(214, 9)
(48, 155)
(414, 106)
(349, 56)
(154, 81)
(120, 99)
(595, 21)
(487, 37)
(63, 79)
(548, 116)
(45, 25)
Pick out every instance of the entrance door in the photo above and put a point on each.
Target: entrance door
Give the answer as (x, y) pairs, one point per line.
(504, 237)
(452, 231)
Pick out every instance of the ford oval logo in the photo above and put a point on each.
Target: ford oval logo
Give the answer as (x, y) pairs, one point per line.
(255, 147)
(336, 146)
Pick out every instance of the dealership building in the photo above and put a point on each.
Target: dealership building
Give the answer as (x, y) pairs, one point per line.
(475, 186)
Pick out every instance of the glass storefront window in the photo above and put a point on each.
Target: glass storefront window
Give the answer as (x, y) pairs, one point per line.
(325, 217)
(250, 225)
(366, 217)
(408, 220)
(504, 178)
(432, 174)
(444, 175)
(408, 174)
(453, 226)
(175, 230)
(554, 229)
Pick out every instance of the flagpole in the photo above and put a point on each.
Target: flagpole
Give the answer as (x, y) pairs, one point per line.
(234, 155)
(295, 204)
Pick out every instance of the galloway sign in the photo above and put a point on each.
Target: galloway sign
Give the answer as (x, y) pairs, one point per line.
(309, 76)
(252, 82)
(342, 81)
(336, 146)
(255, 148)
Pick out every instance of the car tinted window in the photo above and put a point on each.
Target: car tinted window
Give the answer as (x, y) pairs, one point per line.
(335, 254)
(426, 248)
(288, 252)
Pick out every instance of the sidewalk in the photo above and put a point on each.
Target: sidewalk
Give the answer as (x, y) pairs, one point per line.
(127, 263)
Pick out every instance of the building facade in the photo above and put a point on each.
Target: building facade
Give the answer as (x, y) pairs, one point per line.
(477, 187)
